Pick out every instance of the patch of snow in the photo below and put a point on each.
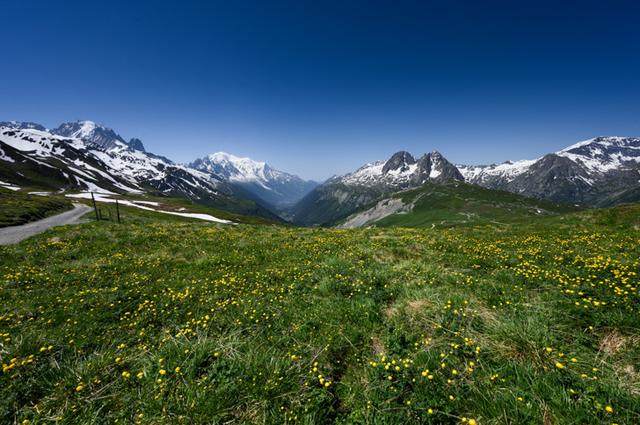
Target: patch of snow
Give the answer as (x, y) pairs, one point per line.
(8, 186)
(4, 156)
(105, 197)
(82, 173)
(92, 187)
(206, 217)
(155, 204)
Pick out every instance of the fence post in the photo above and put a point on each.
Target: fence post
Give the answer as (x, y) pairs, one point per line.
(95, 208)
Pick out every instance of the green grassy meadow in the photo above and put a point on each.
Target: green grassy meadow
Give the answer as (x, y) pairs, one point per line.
(164, 320)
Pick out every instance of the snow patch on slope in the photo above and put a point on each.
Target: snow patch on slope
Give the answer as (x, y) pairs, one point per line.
(368, 173)
(104, 197)
(8, 186)
(4, 157)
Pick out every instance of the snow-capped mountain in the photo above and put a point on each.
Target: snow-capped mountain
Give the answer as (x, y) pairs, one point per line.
(88, 166)
(277, 188)
(22, 125)
(99, 135)
(93, 161)
(598, 171)
(342, 195)
(402, 170)
(604, 154)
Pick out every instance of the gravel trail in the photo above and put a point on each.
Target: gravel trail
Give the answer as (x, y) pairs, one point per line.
(14, 234)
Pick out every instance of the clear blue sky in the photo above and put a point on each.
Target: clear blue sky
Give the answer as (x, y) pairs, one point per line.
(318, 88)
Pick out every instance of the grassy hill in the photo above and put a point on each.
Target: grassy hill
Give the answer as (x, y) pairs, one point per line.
(161, 320)
(19, 208)
(457, 203)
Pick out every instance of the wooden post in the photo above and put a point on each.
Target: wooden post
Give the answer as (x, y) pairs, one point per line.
(95, 208)
(118, 211)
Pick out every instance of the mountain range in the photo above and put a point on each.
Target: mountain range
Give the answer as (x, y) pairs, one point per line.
(85, 156)
(597, 172)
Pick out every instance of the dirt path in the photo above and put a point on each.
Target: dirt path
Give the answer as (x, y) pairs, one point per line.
(14, 234)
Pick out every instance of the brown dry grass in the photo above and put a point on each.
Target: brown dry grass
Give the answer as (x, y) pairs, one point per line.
(416, 306)
(613, 342)
(377, 346)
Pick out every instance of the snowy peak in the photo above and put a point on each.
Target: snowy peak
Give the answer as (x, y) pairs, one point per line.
(96, 134)
(402, 170)
(399, 162)
(603, 154)
(605, 142)
(440, 168)
(90, 132)
(272, 186)
(22, 125)
(235, 168)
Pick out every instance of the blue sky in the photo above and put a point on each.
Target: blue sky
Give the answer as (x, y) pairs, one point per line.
(318, 88)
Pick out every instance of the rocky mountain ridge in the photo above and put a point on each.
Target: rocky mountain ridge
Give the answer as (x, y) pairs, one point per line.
(340, 196)
(595, 172)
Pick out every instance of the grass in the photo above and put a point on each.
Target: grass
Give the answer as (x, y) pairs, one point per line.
(458, 203)
(165, 320)
(20, 208)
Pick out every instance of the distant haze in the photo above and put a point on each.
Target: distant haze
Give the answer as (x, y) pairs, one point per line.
(319, 88)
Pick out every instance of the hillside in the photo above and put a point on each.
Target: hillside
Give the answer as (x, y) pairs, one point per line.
(19, 208)
(450, 204)
(162, 319)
